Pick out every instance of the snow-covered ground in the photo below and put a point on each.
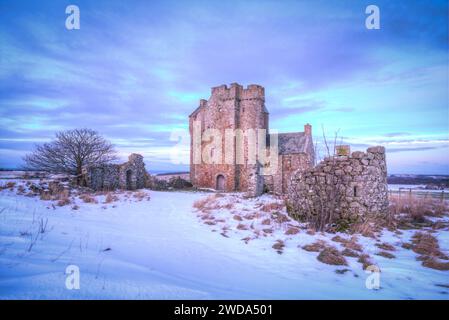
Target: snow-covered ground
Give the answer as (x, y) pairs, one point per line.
(163, 248)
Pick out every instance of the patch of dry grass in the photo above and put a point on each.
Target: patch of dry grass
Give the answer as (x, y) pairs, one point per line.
(433, 263)
(110, 197)
(332, 256)
(317, 246)
(279, 217)
(428, 249)
(272, 206)
(241, 226)
(9, 185)
(385, 246)
(279, 246)
(87, 198)
(386, 254)
(292, 231)
(64, 201)
(414, 208)
(205, 203)
(350, 253)
(365, 260)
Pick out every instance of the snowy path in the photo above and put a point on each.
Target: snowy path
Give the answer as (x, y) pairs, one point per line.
(159, 250)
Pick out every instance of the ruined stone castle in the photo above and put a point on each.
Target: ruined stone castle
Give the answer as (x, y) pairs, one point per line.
(355, 183)
(130, 175)
(242, 111)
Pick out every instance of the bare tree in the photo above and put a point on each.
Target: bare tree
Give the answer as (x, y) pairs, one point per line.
(70, 151)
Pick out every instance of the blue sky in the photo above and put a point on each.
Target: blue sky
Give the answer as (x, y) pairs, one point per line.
(136, 70)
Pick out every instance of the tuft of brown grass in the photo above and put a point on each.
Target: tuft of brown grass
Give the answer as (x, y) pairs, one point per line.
(365, 260)
(241, 226)
(279, 217)
(272, 206)
(432, 262)
(350, 253)
(339, 239)
(332, 256)
(315, 247)
(407, 246)
(249, 216)
(353, 244)
(237, 217)
(279, 246)
(310, 232)
(415, 208)
(292, 231)
(386, 254)
(9, 185)
(385, 246)
(110, 197)
(140, 195)
(246, 239)
(205, 203)
(63, 202)
(20, 189)
(426, 245)
(210, 222)
(367, 228)
(87, 198)
(75, 207)
(46, 196)
(266, 222)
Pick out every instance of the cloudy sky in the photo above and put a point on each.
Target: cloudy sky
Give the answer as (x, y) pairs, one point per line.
(136, 69)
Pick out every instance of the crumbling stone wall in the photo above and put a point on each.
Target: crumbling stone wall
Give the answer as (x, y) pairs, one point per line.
(343, 187)
(130, 175)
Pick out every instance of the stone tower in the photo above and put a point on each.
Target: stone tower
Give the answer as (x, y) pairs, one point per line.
(232, 110)
(236, 119)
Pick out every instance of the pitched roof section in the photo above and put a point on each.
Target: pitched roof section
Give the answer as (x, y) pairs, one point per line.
(294, 142)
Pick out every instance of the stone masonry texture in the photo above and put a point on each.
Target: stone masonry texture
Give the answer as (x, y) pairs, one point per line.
(130, 175)
(354, 185)
(244, 109)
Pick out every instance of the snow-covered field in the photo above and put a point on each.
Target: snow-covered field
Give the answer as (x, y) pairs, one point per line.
(158, 246)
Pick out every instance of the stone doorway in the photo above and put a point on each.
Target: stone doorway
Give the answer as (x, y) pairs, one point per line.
(129, 181)
(221, 182)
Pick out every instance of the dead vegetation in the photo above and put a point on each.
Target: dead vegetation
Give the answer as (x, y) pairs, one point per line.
(385, 246)
(412, 212)
(292, 231)
(210, 203)
(316, 246)
(110, 197)
(272, 206)
(330, 255)
(386, 254)
(9, 185)
(365, 260)
(87, 198)
(428, 250)
(279, 246)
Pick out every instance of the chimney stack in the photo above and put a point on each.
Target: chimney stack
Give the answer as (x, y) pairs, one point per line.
(308, 129)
